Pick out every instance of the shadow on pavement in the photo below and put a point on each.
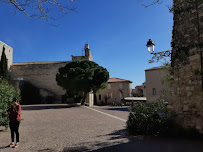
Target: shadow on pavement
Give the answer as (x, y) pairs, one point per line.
(4, 147)
(43, 107)
(140, 144)
(47, 150)
(4, 130)
(154, 145)
(119, 109)
(76, 149)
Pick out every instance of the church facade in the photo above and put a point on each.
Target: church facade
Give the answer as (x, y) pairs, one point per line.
(41, 74)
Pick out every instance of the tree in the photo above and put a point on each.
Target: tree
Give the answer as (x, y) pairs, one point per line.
(151, 2)
(43, 9)
(50, 10)
(4, 65)
(7, 93)
(82, 77)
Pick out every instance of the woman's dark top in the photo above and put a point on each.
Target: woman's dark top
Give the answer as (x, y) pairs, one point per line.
(14, 113)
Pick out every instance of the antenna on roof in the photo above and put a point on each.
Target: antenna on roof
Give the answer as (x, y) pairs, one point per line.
(82, 51)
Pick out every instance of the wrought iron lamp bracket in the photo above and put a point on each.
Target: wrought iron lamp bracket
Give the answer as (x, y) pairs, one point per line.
(164, 53)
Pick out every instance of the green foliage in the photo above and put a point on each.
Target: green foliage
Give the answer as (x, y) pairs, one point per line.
(81, 77)
(7, 93)
(148, 119)
(180, 56)
(30, 94)
(77, 97)
(4, 65)
(49, 99)
(166, 75)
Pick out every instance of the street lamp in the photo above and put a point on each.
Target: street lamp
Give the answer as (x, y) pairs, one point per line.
(151, 46)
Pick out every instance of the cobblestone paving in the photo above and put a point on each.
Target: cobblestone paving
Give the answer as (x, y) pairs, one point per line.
(50, 128)
(62, 128)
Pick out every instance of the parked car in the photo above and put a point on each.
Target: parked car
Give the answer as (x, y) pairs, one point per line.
(119, 104)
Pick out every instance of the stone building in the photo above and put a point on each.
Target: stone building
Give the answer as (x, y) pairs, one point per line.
(139, 91)
(8, 52)
(187, 63)
(43, 75)
(88, 55)
(155, 88)
(144, 89)
(116, 90)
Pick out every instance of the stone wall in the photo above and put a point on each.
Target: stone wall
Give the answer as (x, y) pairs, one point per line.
(79, 58)
(40, 74)
(8, 52)
(186, 79)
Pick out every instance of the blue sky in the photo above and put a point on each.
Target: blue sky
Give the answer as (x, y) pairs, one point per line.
(117, 32)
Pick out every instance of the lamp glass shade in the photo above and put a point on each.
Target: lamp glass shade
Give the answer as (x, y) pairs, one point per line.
(151, 48)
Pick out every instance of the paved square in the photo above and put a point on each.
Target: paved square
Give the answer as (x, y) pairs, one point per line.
(57, 127)
(63, 128)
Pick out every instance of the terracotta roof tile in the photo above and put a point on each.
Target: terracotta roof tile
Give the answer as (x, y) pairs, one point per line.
(49, 62)
(111, 80)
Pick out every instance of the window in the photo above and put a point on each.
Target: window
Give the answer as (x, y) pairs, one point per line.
(121, 86)
(100, 97)
(109, 86)
(109, 95)
(154, 91)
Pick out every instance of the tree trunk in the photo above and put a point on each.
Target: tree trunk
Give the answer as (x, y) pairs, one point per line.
(84, 97)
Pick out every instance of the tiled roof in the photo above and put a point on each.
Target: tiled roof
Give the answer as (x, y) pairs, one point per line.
(155, 68)
(139, 86)
(111, 80)
(50, 62)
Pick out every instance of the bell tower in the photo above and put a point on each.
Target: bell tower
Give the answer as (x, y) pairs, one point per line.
(88, 55)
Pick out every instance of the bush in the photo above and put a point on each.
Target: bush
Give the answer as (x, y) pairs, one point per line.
(7, 93)
(148, 119)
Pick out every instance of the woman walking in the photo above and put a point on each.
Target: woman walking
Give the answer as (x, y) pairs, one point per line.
(14, 117)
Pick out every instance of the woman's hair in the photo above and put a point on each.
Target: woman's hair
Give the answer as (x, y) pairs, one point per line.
(15, 101)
